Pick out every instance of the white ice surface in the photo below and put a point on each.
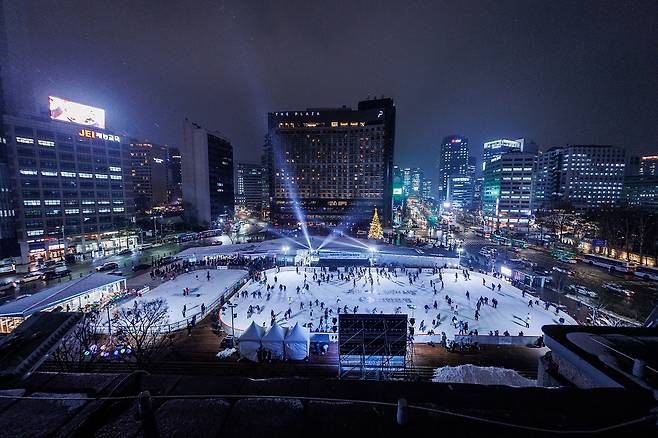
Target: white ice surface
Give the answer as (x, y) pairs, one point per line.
(397, 293)
(481, 376)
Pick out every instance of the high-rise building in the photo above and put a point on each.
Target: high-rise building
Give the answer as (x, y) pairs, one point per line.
(460, 191)
(207, 165)
(150, 175)
(249, 186)
(587, 176)
(507, 191)
(174, 177)
(641, 191)
(416, 182)
(426, 192)
(453, 160)
(73, 187)
(495, 148)
(406, 181)
(477, 192)
(332, 167)
(649, 165)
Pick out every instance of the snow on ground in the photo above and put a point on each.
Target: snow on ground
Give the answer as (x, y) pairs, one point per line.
(388, 295)
(202, 291)
(481, 376)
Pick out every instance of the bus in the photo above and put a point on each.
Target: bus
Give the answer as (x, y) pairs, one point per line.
(186, 237)
(647, 272)
(209, 233)
(608, 263)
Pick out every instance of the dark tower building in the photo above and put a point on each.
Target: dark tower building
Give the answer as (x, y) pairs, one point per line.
(332, 167)
(207, 175)
(453, 160)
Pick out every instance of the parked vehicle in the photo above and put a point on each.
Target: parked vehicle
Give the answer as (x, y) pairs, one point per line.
(7, 266)
(109, 266)
(125, 252)
(618, 289)
(564, 271)
(31, 276)
(141, 267)
(7, 286)
(582, 290)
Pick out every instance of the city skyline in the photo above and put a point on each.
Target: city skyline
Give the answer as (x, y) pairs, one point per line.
(501, 78)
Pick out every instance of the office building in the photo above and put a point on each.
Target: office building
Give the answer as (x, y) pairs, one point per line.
(73, 187)
(174, 177)
(507, 191)
(453, 160)
(207, 167)
(477, 193)
(150, 175)
(460, 192)
(332, 167)
(406, 181)
(641, 191)
(649, 165)
(494, 149)
(416, 178)
(249, 186)
(426, 192)
(586, 176)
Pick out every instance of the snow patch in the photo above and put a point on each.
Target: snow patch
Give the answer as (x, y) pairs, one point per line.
(225, 354)
(481, 376)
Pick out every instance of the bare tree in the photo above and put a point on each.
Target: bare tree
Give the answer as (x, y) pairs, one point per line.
(145, 328)
(560, 280)
(75, 352)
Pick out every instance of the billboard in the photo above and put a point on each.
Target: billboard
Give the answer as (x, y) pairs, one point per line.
(72, 112)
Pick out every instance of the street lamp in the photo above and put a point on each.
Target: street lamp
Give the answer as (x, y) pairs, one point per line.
(232, 307)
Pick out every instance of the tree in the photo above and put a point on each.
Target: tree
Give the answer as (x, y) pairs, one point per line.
(145, 328)
(75, 352)
(375, 231)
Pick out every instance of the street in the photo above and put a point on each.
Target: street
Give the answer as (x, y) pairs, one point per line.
(126, 262)
(637, 307)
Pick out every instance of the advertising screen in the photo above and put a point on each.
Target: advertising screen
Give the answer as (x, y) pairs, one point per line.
(72, 112)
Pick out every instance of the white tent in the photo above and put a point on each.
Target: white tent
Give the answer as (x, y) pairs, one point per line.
(249, 342)
(297, 343)
(273, 341)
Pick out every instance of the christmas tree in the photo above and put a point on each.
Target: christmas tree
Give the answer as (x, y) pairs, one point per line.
(375, 231)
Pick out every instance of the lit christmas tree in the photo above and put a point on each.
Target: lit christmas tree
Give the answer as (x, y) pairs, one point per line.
(375, 231)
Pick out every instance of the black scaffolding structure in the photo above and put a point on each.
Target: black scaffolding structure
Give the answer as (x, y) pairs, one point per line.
(374, 347)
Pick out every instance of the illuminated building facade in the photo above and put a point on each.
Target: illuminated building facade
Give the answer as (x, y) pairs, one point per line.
(249, 186)
(73, 187)
(649, 165)
(507, 191)
(149, 171)
(587, 176)
(453, 160)
(332, 167)
(496, 148)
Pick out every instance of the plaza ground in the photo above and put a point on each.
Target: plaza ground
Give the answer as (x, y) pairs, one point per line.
(394, 295)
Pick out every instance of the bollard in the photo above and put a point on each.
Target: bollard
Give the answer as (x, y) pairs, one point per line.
(146, 414)
(402, 413)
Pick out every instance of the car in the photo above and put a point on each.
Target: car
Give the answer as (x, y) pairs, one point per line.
(567, 260)
(618, 289)
(216, 242)
(31, 276)
(141, 267)
(125, 252)
(55, 274)
(582, 290)
(109, 266)
(7, 286)
(563, 271)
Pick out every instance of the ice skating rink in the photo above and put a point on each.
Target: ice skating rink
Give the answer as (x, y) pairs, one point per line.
(392, 295)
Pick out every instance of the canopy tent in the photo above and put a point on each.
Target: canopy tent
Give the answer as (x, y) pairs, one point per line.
(249, 342)
(297, 343)
(273, 341)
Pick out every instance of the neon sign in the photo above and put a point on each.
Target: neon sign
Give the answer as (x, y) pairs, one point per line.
(88, 133)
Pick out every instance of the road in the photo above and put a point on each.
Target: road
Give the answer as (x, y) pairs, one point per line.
(126, 262)
(637, 307)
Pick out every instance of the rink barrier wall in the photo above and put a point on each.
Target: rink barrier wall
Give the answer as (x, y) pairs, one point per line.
(497, 340)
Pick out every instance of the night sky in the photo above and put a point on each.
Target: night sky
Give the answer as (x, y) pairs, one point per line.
(552, 71)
